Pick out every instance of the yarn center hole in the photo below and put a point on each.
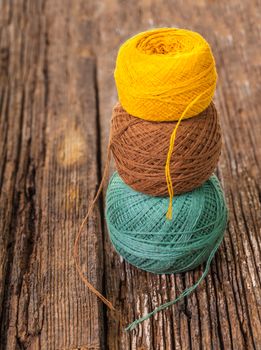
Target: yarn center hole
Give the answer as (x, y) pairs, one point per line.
(163, 45)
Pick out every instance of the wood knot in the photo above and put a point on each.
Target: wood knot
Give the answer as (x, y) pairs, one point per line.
(72, 149)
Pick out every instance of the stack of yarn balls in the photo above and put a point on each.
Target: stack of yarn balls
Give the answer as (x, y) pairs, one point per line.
(166, 142)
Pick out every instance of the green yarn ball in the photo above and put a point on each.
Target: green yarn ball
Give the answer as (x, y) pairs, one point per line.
(142, 235)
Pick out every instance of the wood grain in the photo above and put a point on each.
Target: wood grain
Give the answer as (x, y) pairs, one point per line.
(49, 150)
(56, 95)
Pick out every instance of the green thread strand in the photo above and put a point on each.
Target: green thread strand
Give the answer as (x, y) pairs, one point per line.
(143, 236)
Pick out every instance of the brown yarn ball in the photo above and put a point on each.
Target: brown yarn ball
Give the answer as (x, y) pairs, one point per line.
(140, 150)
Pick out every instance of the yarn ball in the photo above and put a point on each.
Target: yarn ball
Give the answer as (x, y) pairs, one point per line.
(139, 148)
(162, 71)
(141, 234)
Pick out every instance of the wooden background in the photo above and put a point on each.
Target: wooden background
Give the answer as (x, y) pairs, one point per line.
(56, 94)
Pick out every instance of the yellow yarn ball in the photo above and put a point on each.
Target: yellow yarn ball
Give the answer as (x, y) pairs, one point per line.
(160, 72)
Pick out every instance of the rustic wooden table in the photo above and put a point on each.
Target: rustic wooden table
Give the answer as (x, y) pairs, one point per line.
(56, 95)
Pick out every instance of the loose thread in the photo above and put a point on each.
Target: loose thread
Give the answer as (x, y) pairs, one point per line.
(78, 236)
(115, 313)
(170, 151)
(186, 292)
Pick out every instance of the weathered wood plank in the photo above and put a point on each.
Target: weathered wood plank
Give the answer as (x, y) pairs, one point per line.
(48, 174)
(51, 110)
(225, 311)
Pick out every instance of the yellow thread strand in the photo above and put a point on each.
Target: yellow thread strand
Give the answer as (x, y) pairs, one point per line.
(170, 151)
